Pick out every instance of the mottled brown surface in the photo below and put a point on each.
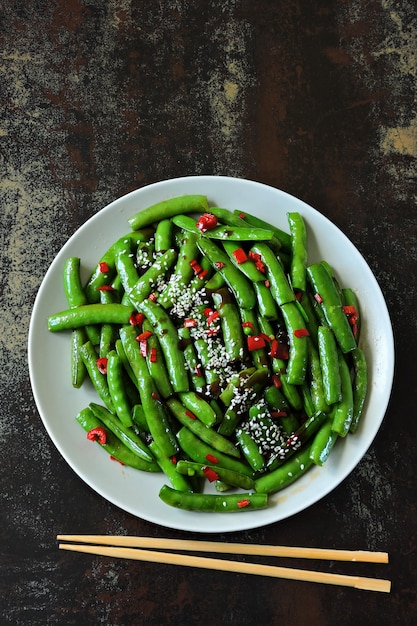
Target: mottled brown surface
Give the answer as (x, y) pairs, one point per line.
(99, 98)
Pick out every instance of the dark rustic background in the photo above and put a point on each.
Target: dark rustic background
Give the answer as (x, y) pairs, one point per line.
(102, 97)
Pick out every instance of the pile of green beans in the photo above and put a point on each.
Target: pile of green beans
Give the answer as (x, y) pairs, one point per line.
(218, 353)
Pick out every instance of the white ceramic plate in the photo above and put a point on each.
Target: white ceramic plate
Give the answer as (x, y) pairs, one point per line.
(137, 492)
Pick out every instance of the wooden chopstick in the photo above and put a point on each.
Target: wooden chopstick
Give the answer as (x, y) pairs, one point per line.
(231, 548)
(357, 582)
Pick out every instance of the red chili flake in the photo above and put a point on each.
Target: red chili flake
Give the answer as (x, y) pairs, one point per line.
(240, 255)
(113, 458)
(219, 264)
(242, 216)
(153, 297)
(279, 414)
(318, 298)
(143, 347)
(144, 336)
(153, 357)
(254, 256)
(201, 275)
(276, 381)
(207, 221)
(102, 365)
(242, 503)
(136, 319)
(212, 331)
(198, 371)
(97, 434)
(255, 342)
(267, 283)
(212, 459)
(103, 267)
(190, 322)
(190, 415)
(298, 295)
(196, 267)
(212, 317)
(279, 350)
(173, 459)
(154, 395)
(260, 266)
(209, 473)
(106, 288)
(193, 262)
(350, 310)
(301, 332)
(207, 311)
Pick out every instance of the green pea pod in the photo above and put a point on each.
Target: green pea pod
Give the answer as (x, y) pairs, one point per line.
(230, 324)
(199, 407)
(205, 433)
(283, 237)
(90, 314)
(286, 474)
(250, 450)
(331, 304)
(163, 235)
(298, 358)
(266, 302)
(75, 293)
(114, 446)
(117, 389)
(225, 233)
(231, 478)
(275, 273)
(156, 363)
(236, 281)
(299, 250)
(169, 341)
(201, 452)
(360, 386)
(156, 417)
(323, 443)
(168, 466)
(99, 380)
(168, 208)
(316, 379)
(343, 410)
(329, 362)
(248, 267)
(78, 369)
(125, 434)
(214, 503)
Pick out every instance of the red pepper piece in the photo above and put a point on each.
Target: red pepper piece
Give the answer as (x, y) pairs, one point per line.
(254, 256)
(255, 342)
(153, 357)
(276, 381)
(102, 365)
(143, 346)
(301, 332)
(214, 315)
(196, 267)
(318, 298)
(212, 459)
(190, 415)
(113, 458)
(248, 325)
(279, 350)
(260, 266)
(106, 288)
(267, 283)
(97, 434)
(153, 297)
(243, 503)
(240, 255)
(103, 268)
(144, 336)
(207, 221)
(210, 474)
(279, 414)
(173, 459)
(136, 319)
(207, 311)
(190, 322)
(219, 264)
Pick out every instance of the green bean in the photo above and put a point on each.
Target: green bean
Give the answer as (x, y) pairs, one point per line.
(156, 363)
(250, 450)
(125, 434)
(225, 233)
(168, 339)
(139, 419)
(350, 299)
(108, 332)
(266, 303)
(360, 386)
(168, 208)
(298, 357)
(318, 396)
(90, 314)
(99, 380)
(236, 281)
(299, 250)
(248, 267)
(117, 389)
(323, 284)
(279, 285)
(286, 474)
(205, 433)
(329, 362)
(201, 452)
(114, 446)
(229, 477)
(215, 503)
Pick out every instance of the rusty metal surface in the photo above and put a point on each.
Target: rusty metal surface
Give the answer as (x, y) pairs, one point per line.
(99, 98)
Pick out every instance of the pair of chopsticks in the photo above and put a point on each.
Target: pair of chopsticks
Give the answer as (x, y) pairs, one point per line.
(133, 548)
